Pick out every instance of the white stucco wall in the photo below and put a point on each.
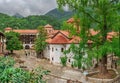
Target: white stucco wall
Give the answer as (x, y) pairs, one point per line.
(47, 52)
(56, 53)
(53, 53)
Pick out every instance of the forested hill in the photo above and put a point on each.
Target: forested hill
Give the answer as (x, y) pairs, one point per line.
(60, 15)
(54, 17)
(30, 22)
(17, 15)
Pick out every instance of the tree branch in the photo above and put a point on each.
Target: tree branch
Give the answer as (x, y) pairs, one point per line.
(92, 17)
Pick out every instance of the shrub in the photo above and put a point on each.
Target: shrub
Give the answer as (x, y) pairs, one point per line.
(63, 60)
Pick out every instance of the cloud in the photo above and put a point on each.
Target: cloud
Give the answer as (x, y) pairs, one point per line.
(27, 7)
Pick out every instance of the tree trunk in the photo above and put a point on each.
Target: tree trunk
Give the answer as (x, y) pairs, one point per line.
(103, 65)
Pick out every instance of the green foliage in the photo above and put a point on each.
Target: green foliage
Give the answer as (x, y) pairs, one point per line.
(38, 75)
(74, 64)
(70, 28)
(101, 15)
(12, 41)
(15, 75)
(60, 15)
(6, 63)
(115, 46)
(40, 42)
(118, 62)
(78, 54)
(9, 74)
(30, 22)
(104, 17)
(63, 60)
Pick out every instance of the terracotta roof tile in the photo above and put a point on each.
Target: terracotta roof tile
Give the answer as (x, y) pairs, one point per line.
(112, 33)
(93, 32)
(71, 20)
(75, 40)
(89, 41)
(58, 39)
(26, 31)
(62, 37)
(8, 28)
(48, 26)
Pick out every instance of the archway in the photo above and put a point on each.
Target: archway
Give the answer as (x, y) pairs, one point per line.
(27, 47)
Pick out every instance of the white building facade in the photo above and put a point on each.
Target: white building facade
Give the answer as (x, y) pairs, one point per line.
(56, 47)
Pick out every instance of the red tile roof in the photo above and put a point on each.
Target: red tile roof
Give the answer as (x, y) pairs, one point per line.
(89, 41)
(26, 31)
(75, 39)
(62, 37)
(8, 28)
(71, 20)
(59, 38)
(93, 32)
(48, 26)
(112, 33)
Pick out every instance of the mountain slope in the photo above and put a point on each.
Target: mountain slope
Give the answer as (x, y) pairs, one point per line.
(30, 22)
(60, 15)
(17, 15)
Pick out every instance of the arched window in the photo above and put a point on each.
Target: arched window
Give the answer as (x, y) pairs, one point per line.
(27, 47)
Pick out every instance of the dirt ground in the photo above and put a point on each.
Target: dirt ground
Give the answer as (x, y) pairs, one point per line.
(30, 62)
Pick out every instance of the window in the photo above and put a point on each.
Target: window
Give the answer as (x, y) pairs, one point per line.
(62, 49)
(48, 47)
(52, 49)
(69, 60)
(52, 58)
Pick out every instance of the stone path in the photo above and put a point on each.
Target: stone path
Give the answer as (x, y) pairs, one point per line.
(32, 62)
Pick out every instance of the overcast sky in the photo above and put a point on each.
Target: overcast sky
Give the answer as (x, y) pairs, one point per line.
(27, 7)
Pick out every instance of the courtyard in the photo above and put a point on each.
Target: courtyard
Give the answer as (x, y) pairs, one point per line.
(57, 74)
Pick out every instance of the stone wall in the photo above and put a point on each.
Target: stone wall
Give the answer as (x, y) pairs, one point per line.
(51, 78)
(96, 80)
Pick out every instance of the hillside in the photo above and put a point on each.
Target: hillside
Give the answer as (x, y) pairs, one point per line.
(60, 15)
(17, 15)
(17, 21)
(30, 22)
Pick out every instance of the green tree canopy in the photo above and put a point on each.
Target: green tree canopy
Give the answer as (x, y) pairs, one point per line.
(30, 22)
(12, 41)
(9, 74)
(101, 15)
(40, 43)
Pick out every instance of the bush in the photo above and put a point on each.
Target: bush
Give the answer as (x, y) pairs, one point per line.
(63, 60)
(9, 74)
